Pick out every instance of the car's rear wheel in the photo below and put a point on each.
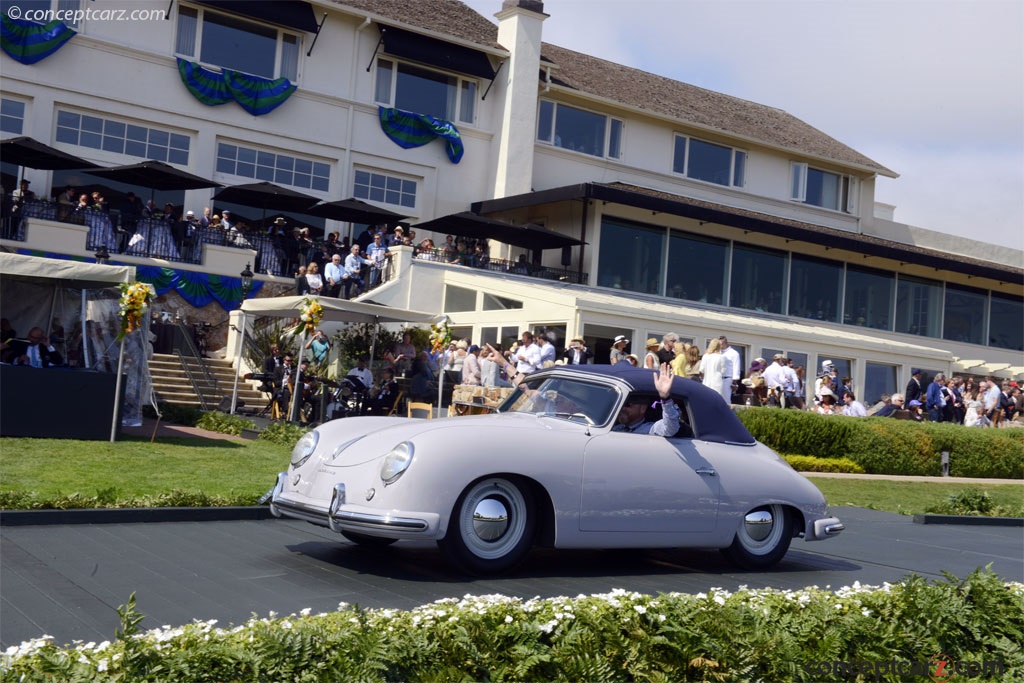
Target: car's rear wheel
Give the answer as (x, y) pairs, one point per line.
(369, 541)
(492, 526)
(762, 538)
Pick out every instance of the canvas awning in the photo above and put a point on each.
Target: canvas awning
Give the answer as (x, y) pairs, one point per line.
(442, 54)
(336, 310)
(72, 274)
(529, 236)
(294, 14)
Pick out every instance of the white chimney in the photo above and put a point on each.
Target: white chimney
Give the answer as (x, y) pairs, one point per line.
(519, 32)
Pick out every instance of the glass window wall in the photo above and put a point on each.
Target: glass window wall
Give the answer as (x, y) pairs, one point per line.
(814, 288)
(869, 296)
(630, 257)
(1005, 326)
(966, 314)
(918, 306)
(879, 378)
(696, 268)
(758, 277)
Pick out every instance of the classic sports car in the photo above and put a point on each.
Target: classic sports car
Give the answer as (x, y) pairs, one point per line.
(549, 469)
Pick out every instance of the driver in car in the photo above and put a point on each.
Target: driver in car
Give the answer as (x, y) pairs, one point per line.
(633, 415)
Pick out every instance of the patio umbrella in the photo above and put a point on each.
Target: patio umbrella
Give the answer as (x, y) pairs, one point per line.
(266, 196)
(354, 211)
(469, 224)
(156, 175)
(30, 153)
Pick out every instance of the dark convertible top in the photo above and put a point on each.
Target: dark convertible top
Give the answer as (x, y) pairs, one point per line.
(713, 419)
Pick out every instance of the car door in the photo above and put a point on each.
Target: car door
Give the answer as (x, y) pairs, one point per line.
(644, 483)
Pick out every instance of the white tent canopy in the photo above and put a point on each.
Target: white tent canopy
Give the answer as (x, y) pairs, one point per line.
(335, 310)
(73, 274)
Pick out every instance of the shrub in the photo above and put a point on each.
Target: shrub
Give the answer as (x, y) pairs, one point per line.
(972, 501)
(809, 463)
(283, 433)
(224, 423)
(750, 635)
(110, 498)
(178, 414)
(887, 446)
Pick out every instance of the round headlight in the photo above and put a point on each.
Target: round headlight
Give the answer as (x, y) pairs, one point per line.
(304, 448)
(396, 462)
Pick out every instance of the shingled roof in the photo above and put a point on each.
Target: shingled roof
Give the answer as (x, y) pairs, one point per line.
(633, 88)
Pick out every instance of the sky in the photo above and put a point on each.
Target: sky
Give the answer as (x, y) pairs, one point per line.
(931, 89)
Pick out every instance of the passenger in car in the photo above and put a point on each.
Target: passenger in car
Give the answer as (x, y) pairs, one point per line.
(633, 415)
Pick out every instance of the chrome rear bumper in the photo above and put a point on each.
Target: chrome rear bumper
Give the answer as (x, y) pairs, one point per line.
(823, 528)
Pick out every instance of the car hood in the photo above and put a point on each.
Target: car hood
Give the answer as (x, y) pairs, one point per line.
(363, 439)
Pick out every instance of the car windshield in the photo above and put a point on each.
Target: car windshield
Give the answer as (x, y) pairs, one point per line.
(567, 399)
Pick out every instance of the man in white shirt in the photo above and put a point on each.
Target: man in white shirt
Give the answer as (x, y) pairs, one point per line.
(527, 356)
(362, 373)
(353, 274)
(775, 375)
(733, 367)
(853, 407)
(334, 274)
(991, 397)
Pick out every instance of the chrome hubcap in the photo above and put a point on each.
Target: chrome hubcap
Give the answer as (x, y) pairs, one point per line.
(490, 519)
(758, 524)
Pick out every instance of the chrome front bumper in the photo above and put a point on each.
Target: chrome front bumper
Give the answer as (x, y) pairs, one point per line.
(340, 516)
(823, 528)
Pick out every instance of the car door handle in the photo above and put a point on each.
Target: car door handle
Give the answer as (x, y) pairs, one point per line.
(710, 471)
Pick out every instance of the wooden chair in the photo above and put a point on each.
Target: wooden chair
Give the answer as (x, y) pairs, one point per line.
(396, 404)
(421, 410)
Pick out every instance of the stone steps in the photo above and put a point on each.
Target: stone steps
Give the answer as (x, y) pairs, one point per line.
(171, 383)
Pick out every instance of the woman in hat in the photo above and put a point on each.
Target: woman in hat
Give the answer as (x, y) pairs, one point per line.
(618, 352)
(651, 359)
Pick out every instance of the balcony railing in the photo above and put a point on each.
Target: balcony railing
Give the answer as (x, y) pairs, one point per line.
(497, 265)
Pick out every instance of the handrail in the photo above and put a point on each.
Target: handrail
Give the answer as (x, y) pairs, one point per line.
(193, 352)
(498, 265)
(191, 379)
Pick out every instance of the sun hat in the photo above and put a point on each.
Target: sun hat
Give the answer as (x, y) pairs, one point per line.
(652, 342)
(620, 339)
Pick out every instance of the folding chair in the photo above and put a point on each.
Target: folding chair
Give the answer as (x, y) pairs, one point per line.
(396, 404)
(421, 410)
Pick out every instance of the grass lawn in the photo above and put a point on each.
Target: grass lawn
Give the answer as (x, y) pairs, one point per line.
(241, 471)
(135, 467)
(906, 497)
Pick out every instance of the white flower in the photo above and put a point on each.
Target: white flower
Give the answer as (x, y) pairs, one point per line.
(640, 609)
(305, 611)
(508, 619)
(101, 666)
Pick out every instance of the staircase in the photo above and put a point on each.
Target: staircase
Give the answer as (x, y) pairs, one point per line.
(172, 386)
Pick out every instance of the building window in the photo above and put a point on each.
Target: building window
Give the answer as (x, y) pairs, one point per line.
(630, 257)
(822, 188)
(709, 162)
(579, 130)
(966, 314)
(12, 116)
(814, 288)
(879, 379)
(378, 187)
(696, 268)
(120, 137)
(230, 42)
(869, 296)
(459, 298)
(1004, 322)
(282, 169)
(425, 91)
(757, 278)
(493, 302)
(919, 306)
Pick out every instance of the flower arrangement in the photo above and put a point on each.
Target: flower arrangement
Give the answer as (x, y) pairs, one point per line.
(440, 335)
(310, 315)
(135, 297)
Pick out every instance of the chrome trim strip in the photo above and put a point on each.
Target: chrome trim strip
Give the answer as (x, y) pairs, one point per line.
(380, 521)
(308, 513)
(282, 477)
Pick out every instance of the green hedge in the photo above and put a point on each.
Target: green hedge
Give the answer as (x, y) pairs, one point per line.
(882, 445)
(809, 463)
(854, 633)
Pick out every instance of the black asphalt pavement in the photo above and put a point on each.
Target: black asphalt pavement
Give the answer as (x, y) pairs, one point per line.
(67, 580)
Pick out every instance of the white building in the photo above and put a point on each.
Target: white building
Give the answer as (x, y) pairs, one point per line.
(700, 213)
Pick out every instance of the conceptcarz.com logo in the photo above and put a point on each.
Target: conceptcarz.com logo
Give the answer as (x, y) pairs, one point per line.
(938, 668)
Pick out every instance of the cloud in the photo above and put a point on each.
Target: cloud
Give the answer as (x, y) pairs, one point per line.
(931, 89)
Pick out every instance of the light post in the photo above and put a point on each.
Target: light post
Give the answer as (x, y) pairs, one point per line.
(102, 255)
(246, 276)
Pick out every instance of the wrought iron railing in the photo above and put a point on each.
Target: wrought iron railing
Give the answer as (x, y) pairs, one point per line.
(497, 265)
(188, 353)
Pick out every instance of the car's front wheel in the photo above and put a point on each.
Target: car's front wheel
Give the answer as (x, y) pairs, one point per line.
(762, 538)
(492, 526)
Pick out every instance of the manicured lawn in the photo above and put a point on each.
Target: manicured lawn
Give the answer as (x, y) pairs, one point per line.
(908, 498)
(136, 467)
(241, 471)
